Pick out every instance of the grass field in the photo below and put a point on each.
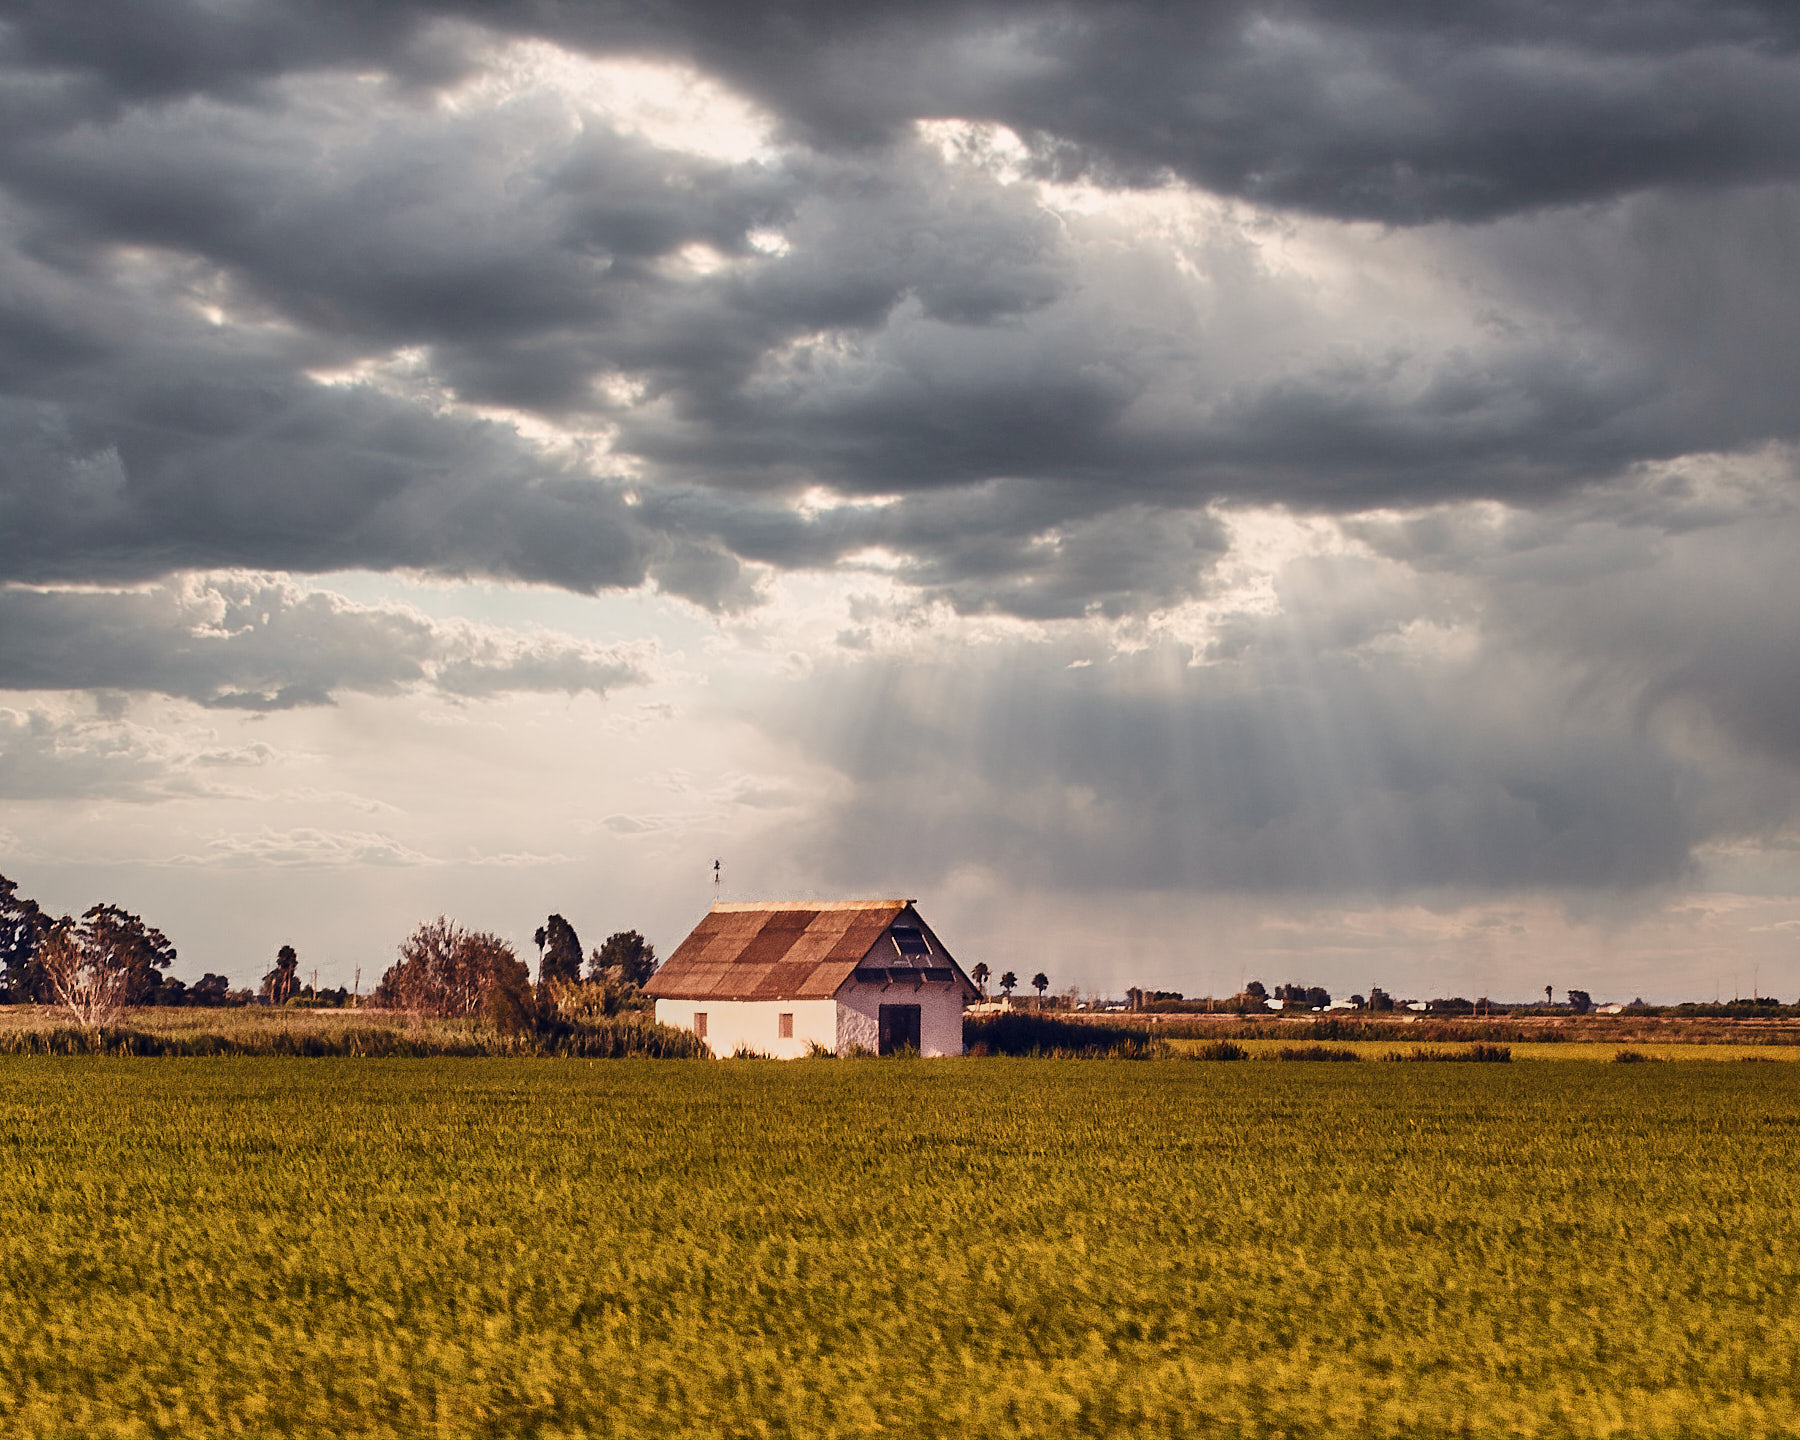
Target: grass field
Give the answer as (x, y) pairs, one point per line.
(959, 1248)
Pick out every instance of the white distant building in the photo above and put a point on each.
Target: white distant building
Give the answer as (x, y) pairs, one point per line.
(780, 976)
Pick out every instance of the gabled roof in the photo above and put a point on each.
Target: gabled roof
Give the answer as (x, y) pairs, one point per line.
(790, 950)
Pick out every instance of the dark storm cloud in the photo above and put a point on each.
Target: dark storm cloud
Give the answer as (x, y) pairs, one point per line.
(1043, 408)
(1383, 109)
(256, 644)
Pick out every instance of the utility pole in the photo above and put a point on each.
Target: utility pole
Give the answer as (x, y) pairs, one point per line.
(356, 990)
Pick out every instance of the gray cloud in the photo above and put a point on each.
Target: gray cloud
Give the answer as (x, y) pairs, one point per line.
(1582, 701)
(252, 643)
(1145, 774)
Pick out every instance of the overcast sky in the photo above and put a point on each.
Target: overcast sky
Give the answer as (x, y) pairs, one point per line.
(1188, 492)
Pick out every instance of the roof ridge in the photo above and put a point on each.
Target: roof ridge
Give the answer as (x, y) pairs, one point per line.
(725, 907)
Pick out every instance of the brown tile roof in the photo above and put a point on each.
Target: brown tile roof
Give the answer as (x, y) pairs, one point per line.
(778, 950)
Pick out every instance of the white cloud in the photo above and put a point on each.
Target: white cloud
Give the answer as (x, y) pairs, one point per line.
(304, 847)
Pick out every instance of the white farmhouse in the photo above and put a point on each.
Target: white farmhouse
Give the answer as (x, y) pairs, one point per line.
(779, 976)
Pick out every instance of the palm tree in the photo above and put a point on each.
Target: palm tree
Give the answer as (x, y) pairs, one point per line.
(1007, 982)
(980, 974)
(1040, 982)
(281, 982)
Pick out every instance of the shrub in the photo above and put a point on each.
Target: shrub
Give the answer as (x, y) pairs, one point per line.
(1220, 1050)
(1634, 1057)
(446, 970)
(1314, 1052)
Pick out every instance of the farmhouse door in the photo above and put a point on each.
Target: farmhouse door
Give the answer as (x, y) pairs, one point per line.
(899, 1028)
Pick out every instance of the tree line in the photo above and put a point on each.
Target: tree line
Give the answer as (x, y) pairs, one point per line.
(110, 960)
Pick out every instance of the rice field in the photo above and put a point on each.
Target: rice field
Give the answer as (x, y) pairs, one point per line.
(1588, 1050)
(954, 1248)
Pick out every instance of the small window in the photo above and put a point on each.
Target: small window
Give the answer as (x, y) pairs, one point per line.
(700, 1023)
(784, 1025)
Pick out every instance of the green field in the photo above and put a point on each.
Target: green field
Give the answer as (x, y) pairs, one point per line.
(967, 1248)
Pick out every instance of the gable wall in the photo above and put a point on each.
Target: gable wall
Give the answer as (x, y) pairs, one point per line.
(940, 1015)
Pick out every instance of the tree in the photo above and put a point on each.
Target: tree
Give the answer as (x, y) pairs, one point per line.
(94, 968)
(126, 944)
(281, 983)
(446, 970)
(1580, 1001)
(1549, 996)
(1379, 999)
(83, 976)
(626, 958)
(209, 989)
(23, 930)
(980, 976)
(1256, 991)
(559, 953)
(1008, 982)
(1040, 982)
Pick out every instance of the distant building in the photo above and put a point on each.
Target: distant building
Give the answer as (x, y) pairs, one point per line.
(779, 977)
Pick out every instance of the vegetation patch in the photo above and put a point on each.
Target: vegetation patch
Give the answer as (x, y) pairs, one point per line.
(1478, 1054)
(619, 1038)
(1315, 1052)
(1017, 1032)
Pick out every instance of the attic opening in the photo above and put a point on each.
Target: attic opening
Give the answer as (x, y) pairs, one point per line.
(910, 942)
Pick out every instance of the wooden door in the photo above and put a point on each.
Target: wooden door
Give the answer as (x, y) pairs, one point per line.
(899, 1029)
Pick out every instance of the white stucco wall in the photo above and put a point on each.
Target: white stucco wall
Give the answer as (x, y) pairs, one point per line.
(940, 1015)
(755, 1024)
(851, 1019)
